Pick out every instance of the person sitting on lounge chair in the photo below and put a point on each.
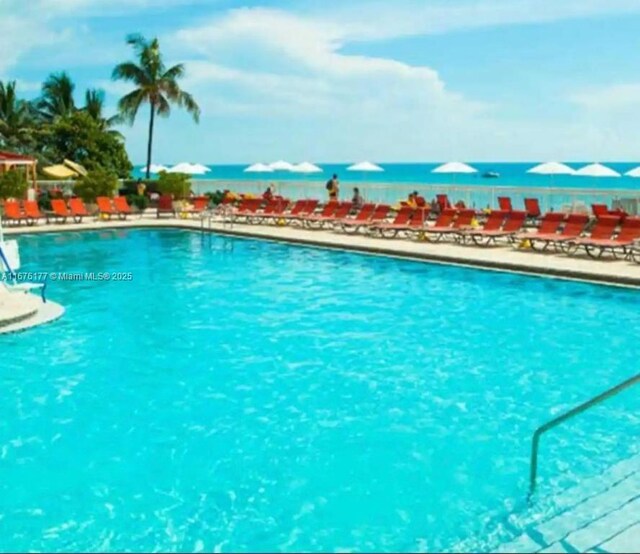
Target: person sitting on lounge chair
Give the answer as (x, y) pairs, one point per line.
(357, 199)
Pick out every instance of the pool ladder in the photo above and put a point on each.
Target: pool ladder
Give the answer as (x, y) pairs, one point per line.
(535, 443)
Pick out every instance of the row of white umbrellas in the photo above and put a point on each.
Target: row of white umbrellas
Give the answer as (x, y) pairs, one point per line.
(549, 168)
(305, 167)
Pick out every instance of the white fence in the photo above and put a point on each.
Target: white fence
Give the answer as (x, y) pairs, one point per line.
(477, 196)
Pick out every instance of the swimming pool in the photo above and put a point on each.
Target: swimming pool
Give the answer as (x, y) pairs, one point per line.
(252, 396)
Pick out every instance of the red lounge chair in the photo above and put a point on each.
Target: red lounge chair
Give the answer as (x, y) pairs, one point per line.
(308, 208)
(341, 211)
(378, 216)
(59, 211)
(505, 203)
(327, 211)
(443, 202)
(165, 205)
(274, 208)
(277, 211)
(599, 210)
(122, 207)
(247, 208)
(361, 218)
(416, 225)
(448, 226)
(13, 213)
(32, 212)
(200, 203)
(572, 230)
(493, 223)
(619, 246)
(78, 209)
(532, 207)
(507, 228)
(105, 207)
(550, 224)
(603, 229)
(390, 230)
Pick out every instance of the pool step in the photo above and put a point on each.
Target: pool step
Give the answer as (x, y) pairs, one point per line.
(601, 514)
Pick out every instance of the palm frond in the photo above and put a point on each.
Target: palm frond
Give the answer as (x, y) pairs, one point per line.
(129, 71)
(129, 104)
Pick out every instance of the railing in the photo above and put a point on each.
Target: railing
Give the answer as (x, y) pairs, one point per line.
(535, 443)
(566, 199)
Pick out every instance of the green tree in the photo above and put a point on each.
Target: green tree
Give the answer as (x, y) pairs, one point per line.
(56, 99)
(99, 182)
(94, 106)
(155, 85)
(17, 119)
(79, 137)
(13, 184)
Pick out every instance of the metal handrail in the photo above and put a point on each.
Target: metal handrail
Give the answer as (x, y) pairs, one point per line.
(568, 415)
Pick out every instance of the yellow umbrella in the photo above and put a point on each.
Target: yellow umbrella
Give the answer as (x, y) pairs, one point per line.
(59, 171)
(80, 170)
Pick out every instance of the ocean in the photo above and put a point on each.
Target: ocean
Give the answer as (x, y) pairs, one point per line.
(511, 175)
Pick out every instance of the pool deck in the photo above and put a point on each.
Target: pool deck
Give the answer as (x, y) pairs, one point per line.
(500, 258)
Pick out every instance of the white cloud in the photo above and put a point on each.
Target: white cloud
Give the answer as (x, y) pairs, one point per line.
(614, 98)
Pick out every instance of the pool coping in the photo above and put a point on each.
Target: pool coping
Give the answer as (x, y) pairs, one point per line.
(599, 271)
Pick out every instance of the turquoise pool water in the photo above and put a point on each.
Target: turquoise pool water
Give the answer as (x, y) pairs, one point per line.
(243, 395)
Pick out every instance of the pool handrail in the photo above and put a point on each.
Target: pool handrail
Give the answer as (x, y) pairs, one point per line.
(613, 391)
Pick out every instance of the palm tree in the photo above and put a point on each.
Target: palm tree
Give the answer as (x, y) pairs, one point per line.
(16, 118)
(57, 97)
(154, 83)
(94, 106)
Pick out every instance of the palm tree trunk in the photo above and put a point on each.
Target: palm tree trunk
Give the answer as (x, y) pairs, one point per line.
(150, 140)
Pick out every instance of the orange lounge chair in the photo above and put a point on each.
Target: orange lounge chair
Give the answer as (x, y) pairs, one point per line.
(573, 228)
(353, 225)
(509, 225)
(13, 213)
(391, 229)
(32, 211)
(165, 206)
(59, 211)
(450, 224)
(338, 212)
(122, 207)
(105, 207)
(78, 209)
(603, 229)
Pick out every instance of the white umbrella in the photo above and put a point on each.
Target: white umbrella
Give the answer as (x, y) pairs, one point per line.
(306, 167)
(597, 170)
(281, 165)
(633, 173)
(202, 168)
(184, 167)
(552, 168)
(258, 168)
(455, 167)
(153, 168)
(364, 166)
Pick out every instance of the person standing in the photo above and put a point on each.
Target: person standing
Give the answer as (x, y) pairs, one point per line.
(333, 188)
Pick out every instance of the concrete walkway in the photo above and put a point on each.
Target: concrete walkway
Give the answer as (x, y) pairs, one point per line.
(502, 258)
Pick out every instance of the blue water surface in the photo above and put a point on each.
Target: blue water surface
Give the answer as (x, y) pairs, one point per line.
(251, 396)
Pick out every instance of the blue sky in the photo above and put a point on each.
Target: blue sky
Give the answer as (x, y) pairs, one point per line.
(409, 80)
